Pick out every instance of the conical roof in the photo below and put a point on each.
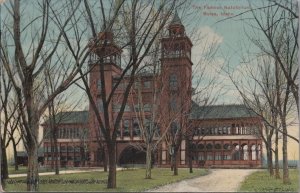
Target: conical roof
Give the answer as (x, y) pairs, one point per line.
(176, 20)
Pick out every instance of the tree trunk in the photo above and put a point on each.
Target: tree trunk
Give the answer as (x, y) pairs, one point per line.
(112, 173)
(4, 168)
(148, 162)
(32, 173)
(172, 162)
(286, 179)
(277, 173)
(270, 158)
(175, 169)
(105, 159)
(56, 154)
(15, 155)
(189, 155)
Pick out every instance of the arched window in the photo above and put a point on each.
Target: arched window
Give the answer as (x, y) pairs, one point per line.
(177, 50)
(227, 146)
(245, 152)
(253, 152)
(209, 146)
(236, 152)
(173, 83)
(258, 152)
(201, 147)
(218, 146)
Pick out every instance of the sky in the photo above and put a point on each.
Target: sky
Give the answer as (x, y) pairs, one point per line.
(231, 37)
(210, 18)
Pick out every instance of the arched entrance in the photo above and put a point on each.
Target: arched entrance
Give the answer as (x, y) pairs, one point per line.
(131, 155)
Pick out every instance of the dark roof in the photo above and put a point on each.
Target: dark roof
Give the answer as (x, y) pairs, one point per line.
(220, 112)
(71, 117)
(176, 20)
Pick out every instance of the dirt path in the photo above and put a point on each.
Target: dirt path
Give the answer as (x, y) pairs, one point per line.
(219, 180)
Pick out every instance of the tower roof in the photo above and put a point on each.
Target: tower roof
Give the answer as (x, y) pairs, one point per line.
(176, 20)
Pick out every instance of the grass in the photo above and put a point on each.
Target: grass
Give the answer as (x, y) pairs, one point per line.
(127, 180)
(23, 169)
(262, 182)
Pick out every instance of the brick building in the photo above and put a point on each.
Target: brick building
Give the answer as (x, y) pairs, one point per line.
(222, 136)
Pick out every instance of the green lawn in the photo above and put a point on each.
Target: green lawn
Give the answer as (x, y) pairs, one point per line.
(262, 182)
(127, 180)
(23, 169)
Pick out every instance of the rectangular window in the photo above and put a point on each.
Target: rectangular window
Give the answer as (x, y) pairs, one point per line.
(147, 108)
(220, 131)
(147, 84)
(116, 107)
(218, 156)
(201, 157)
(173, 104)
(100, 106)
(99, 85)
(209, 157)
(137, 108)
(77, 149)
(70, 149)
(126, 124)
(135, 127)
(63, 149)
(173, 81)
(137, 84)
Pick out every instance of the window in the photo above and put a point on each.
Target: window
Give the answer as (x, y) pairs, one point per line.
(147, 107)
(201, 147)
(209, 146)
(127, 108)
(137, 108)
(220, 130)
(209, 157)
(218, 156)
(147, 84)
(63, 149)
(137, 84)
(226, 146)
(224, 130)
(99, 84)
(116, 107)
(135, 127)
(100, 105)
(77, 149)
(174, 128)
(173, 105)
(218, 146)
(70, 149)
(173, 81)
(226, 157)
(201, 157)
(126, 132)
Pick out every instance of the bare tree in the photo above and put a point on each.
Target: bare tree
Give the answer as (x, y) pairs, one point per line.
(278, 22)
(263, 89)
(24, 65)
(135, 22)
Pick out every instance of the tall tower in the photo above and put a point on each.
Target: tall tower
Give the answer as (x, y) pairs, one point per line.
(105, 55)
(176, 72)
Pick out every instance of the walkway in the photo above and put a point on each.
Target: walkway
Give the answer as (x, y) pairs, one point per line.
(82, 170)
(219, 180)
